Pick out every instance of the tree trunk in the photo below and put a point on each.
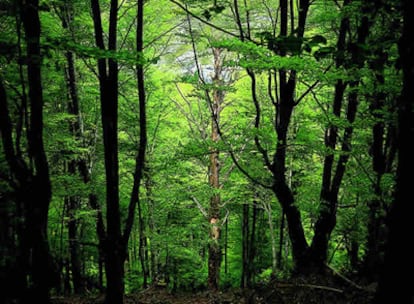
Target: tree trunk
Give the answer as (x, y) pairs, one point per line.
(284, 109)
(143, 248)
(214, 259)
(383, 154)
(19, 175)
(248, 244)
(331, 182)
(153, 250)
(140, 159)
(252, 246)
(37, 198)
(281, 240)
(393, 285)
(268, 209)
(113, 245)
(245, 247)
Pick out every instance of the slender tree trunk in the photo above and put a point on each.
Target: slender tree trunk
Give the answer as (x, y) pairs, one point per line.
(252, 246)
(281, 240)
(245, 247)
(248, 244)
(140, 158)
(153, 250)
(226, 247)
(268, 209)
(143, 248)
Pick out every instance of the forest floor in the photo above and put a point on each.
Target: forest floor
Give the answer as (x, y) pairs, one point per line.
(295, 291)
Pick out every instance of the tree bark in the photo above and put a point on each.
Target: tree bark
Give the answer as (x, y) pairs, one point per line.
(214, 258)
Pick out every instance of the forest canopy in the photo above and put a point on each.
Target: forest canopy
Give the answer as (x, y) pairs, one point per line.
(195, 145)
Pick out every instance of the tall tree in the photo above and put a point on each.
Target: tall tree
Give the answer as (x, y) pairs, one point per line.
(214, 253)
(31, 180)
(115, 240)
(113, 247)
(282, 93)
(383, 147)
(78, 165)
(332, 176)
(140, 157)
(393, 286)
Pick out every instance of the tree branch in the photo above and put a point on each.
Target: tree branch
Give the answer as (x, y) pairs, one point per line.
(185, 9)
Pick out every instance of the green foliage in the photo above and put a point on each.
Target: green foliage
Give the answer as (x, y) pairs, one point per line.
(260, 58)
(175, 192)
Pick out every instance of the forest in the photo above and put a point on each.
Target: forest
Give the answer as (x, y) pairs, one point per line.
(206, 151)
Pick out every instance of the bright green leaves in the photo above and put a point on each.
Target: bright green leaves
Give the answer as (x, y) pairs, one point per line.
(125, 56)
(259, 58)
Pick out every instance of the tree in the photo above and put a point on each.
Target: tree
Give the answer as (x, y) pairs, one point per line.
(114, 242)
(30, 176)
(383, 147)
(392, 285)
(331, 181)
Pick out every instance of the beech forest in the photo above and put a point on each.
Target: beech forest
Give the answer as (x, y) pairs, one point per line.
(206, 151)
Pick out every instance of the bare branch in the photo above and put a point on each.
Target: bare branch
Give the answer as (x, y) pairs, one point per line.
(311, 87)
(200, 207)
(257, 121)
(225, 217)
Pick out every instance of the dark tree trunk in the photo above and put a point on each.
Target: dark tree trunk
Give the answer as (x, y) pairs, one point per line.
(331, 181)
(252, 246)
(113, 245)
(140, 158)
(74, 248)
(284, 108)
(245, 247)
(284, 103)
(281, 240)
(398, 265)
(37, 198)
(19, 177)
(383, 154)
(248, 244)
(154, 251)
